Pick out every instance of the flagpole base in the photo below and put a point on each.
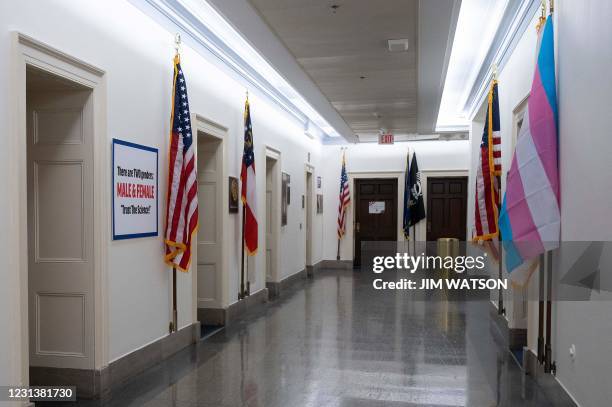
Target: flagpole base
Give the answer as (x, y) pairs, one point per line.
(541, 350)
(549, 366)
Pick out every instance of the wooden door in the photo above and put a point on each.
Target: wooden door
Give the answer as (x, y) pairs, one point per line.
(446, 207)
(375, 212)
(60, 228)
(209, 253)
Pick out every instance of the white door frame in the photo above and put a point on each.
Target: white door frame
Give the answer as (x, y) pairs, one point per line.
(29, 51)
(220, 132)
(308, 169)
(275, 155)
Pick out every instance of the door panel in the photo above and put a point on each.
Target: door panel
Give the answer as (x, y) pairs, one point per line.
(60, 228)
(308, 210)
(269, 229)
(272, 217)
(209, 246)
(376, 212)
(446, 207)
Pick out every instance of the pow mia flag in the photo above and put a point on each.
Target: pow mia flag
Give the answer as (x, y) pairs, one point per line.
(416, 207)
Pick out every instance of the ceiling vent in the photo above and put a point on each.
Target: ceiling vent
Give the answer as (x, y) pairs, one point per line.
(400, 45)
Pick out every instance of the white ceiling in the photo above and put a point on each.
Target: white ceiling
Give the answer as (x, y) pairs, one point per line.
(331, 50)
(337, 47)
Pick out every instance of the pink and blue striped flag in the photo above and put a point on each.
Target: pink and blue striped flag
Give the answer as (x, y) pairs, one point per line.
(530, 217)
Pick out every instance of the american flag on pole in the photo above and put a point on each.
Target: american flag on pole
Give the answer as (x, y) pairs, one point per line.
(488, 177)
(182, 199)
(247, 176)
(345, 199)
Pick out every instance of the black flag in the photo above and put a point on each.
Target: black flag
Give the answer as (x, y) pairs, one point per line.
(415, 200)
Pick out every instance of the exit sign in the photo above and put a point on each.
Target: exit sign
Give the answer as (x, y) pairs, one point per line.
(385, 139)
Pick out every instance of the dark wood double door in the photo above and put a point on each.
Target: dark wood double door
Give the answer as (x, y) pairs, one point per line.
(376, 213)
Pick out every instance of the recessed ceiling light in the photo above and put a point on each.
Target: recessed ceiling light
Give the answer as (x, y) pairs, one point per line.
(363, 77)
(334, 7)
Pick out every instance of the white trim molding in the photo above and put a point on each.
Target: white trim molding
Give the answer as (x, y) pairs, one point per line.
(221, 133)
(175, 16)
(28, 51)
(515, 20)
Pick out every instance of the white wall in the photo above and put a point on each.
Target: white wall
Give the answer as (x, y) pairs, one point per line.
(582, 34)
(584, 63)
(387, 161)
(136, 55)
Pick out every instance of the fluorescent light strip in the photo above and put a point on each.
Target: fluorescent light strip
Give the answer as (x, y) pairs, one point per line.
(476, 29)
(221, 39)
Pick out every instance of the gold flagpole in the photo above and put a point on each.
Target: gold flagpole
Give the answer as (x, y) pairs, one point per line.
(174, 323)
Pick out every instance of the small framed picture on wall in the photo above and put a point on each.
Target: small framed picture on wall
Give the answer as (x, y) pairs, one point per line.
(234, 195)
(284, 197)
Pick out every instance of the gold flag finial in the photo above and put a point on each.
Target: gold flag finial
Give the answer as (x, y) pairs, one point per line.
(177, 42)
(542, 19)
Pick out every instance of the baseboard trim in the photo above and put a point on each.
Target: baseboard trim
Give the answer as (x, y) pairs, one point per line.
(513, 338)
(337, 264)
(89, 383)
(276, 288)
(121, 370)
(212, 316)
(254, 301)
(311, 270)
(530, 362)
(94, 383)
(547, 382)
(235, 311)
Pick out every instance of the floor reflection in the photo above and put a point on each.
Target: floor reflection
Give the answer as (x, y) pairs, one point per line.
(335, 341)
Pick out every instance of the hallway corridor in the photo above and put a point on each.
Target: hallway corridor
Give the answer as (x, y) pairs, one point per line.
(333, 341)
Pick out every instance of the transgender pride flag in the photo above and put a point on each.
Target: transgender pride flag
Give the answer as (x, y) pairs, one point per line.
(530, 217)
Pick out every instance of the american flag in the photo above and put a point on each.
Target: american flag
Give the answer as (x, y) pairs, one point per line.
(487, 203)
(247, 176)
(182, 199)
(345, 199)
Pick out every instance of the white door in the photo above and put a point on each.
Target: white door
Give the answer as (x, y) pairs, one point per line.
(308, 208)
(60, 227)
(269, 220)
(209, 231)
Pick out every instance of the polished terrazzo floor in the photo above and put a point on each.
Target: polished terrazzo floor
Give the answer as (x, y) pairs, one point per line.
(334, 341)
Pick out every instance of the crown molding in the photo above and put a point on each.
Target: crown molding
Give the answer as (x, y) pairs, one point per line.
(174, 17)
(515, 20)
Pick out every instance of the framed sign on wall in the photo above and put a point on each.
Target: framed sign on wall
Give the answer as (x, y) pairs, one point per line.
(135, 190)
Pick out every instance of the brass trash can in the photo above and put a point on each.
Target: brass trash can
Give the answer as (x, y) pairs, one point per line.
(447, 246)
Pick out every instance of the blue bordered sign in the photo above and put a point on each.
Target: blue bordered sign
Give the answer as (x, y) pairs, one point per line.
(135, 192)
